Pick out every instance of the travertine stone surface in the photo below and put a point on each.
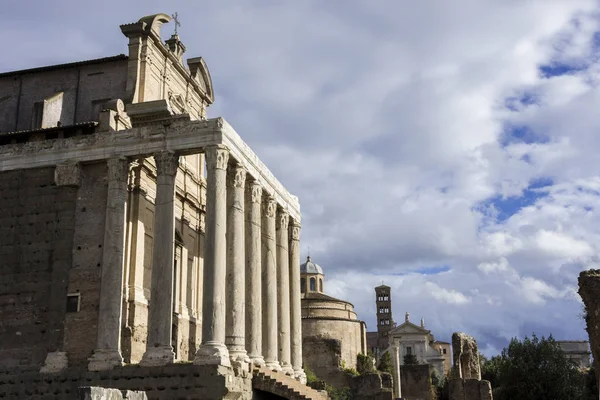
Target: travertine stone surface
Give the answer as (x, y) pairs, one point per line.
(295, 303)
(108, 350)
(269, 284)
(213, 349)
(235, 337)
(158, 346)
(466, 357)
(253, 273)
(283, 293)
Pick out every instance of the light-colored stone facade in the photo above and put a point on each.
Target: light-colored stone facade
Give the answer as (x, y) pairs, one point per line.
(578, 351)
(127, 214)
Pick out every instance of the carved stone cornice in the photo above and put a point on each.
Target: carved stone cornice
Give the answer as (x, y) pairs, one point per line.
(67, 174)
(118, 169)
(237, 176)
(269, 207)
(282, 219)
(216, 157)
(166, 163)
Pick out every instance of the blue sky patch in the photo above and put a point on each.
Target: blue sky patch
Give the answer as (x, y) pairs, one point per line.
(433, 270)
(521, 134)
(505, 207)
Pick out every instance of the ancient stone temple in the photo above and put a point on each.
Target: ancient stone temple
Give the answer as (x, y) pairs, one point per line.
(135, 230)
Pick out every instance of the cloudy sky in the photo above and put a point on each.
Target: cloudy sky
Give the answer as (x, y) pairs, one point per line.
(445, 148)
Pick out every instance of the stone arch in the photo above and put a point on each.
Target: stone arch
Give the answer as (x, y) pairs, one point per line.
(321, 285)
(313, 284)
(303, 285)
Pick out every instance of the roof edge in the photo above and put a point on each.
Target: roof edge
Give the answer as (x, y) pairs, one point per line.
(64, 66)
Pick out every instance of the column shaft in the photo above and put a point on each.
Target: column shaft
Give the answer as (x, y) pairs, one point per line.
(253, 275)
(295, 306)
(397, 378)
(235, 338)
(108, 349)
(159, 350)
(269, 285)
(283, 294)
(213, 351)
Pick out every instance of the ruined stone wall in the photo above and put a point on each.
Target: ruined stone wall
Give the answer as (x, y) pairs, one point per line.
(415, 382)
(36, 225)
(347, 332)
(84, 87)
(175, 381)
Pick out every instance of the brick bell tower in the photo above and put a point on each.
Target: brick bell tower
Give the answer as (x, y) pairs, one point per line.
(385, 322)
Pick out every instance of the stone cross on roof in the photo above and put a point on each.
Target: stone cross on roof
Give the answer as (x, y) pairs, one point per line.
(176, 19)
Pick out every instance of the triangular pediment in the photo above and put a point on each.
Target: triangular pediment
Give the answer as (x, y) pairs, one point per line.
(408, 327)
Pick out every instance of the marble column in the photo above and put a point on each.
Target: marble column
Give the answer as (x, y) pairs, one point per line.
(108, 348)
(283, 294)
(213, 351)
(235, 332)
(269, 285)
(397, 377)
(253, 274)
(159, 350)
(295, 306)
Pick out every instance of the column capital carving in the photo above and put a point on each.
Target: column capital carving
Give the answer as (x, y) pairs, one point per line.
(67, 174)
(217, 156)
(295, 230)
(166, 163)
(282, 219)
(237, 178)
(118, 169)
(269, 207)
(255, 190)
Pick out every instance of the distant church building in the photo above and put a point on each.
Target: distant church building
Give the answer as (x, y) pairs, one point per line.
(332, 336)
(408, 338)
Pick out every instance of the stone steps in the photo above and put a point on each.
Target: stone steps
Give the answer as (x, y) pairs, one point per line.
(284, 385)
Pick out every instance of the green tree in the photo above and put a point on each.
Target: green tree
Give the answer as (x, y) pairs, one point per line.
(536, 369)
(490, 369)
(410, 359)
(385, 363)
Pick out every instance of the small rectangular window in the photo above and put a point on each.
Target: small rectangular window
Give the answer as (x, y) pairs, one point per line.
(73, 302)
(444, 350)
(409, 350)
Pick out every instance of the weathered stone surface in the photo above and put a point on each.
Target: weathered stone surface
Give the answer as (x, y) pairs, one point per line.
(98, 393)
(415, 381)
(589, 290)
(466, 357)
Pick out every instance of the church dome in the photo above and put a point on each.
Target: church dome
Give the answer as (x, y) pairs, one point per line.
(310, 267)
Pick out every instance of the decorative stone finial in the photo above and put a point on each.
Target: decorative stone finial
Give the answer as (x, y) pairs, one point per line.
(406, 316)
(422, 322)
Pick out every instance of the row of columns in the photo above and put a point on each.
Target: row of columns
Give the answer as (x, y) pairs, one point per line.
(251, 300)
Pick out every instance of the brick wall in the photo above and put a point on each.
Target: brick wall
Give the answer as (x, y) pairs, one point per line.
(36, 225)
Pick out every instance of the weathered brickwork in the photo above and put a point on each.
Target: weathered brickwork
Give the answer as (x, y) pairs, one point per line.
(415, 381)
(36, 224)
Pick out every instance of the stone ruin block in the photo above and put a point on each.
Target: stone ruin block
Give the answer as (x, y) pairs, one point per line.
(465, 382)
(466, 357)
(100, 393)
(589, 290)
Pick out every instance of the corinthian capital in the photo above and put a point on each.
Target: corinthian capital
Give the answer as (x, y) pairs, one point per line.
(217, 157)
(282, 219)
(295, 230)
(255, 191)
(166, 163)
(269, 207)
(237, 177)
(67, 174)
